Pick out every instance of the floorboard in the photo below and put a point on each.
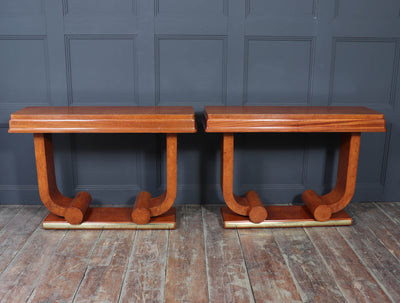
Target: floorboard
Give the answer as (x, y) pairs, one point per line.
(106, 271)
(7, 213)
(381, 225)
(20, 278)
(228, 280)
(391, 209)
(66, 267)
(269, 274)
(145, 277)
(313, 280)
(202, 262)
(17, 230)
(186, 279)
(380, 262)
(353, 279)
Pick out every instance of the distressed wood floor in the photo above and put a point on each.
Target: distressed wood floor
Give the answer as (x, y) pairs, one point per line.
(202, 262)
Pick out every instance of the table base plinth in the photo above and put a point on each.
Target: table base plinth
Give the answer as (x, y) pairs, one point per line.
(284, 216)
(111, 218)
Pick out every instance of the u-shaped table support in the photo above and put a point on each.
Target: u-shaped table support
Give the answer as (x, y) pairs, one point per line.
(250, 205)
(73, 210)
(321, 207)
(146, 206)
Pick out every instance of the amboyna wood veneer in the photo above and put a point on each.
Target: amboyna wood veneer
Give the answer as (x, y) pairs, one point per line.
(148, 212)
(248, 211)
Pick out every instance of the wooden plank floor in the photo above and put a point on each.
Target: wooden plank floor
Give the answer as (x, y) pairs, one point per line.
(202, 262)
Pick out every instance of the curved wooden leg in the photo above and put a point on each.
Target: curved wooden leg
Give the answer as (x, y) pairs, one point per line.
(146, 206)
(323, 206)
(51, 197)
(250, 205)
(141, 212)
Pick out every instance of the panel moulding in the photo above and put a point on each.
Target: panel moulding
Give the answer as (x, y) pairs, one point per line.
(273, 186)
(67, 45)
(225, 8)
(224, 62)
(385, 158)
(10, 104)
(40, 11)
(310, 40)
(122, 187)
(336, 9)
(140, 171)
(281, 186)
(314, 10)
(65, 7)
(395, 71)
(18, 187)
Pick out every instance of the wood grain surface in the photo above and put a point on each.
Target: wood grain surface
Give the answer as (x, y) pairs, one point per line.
(269, 274)
(353, 279)
(20, 279)
(186, 279)
(380, 224)
(103, 119)
(14, 234)
(391, 209)
(379, 260)
(145, 276)
(66, 267)
(226, 269)
(202, 262)
(349, 120)
(313, 280)
(7, 213)
(228, 119)
(106, 269)
(42, 121)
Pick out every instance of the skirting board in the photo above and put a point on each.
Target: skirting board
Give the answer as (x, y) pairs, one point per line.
(283, 216)
(111, 218)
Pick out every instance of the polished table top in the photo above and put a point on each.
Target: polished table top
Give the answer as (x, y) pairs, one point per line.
(104, 119)
(292, 119)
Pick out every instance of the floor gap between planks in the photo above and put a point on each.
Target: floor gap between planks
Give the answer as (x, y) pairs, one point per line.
(202, 262)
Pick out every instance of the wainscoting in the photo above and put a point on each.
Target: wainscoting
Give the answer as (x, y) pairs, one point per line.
(197, 53)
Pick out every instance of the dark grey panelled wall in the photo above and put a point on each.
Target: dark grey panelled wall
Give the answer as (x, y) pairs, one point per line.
(200, 52)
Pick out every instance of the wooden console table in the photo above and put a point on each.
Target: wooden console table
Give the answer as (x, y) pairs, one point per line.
(68, 213)
(248, 211)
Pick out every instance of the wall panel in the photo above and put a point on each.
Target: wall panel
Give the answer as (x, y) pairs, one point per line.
(97, 169)
(21, 7)
(103, 7)
(355, 62)
(190, 70)
(288, 8)
(278, 70)
(197, 53)
(101, 69)
(195, 7)
(367, 8)
(274, 165)
(24, 75)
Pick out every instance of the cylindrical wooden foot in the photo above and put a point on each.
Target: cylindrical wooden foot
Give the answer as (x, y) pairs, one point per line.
(257, 212)
(75, 213)
(141, 212)
(314, 203)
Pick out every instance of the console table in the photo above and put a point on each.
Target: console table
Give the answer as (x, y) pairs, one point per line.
(66, 213)
(248, 211)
